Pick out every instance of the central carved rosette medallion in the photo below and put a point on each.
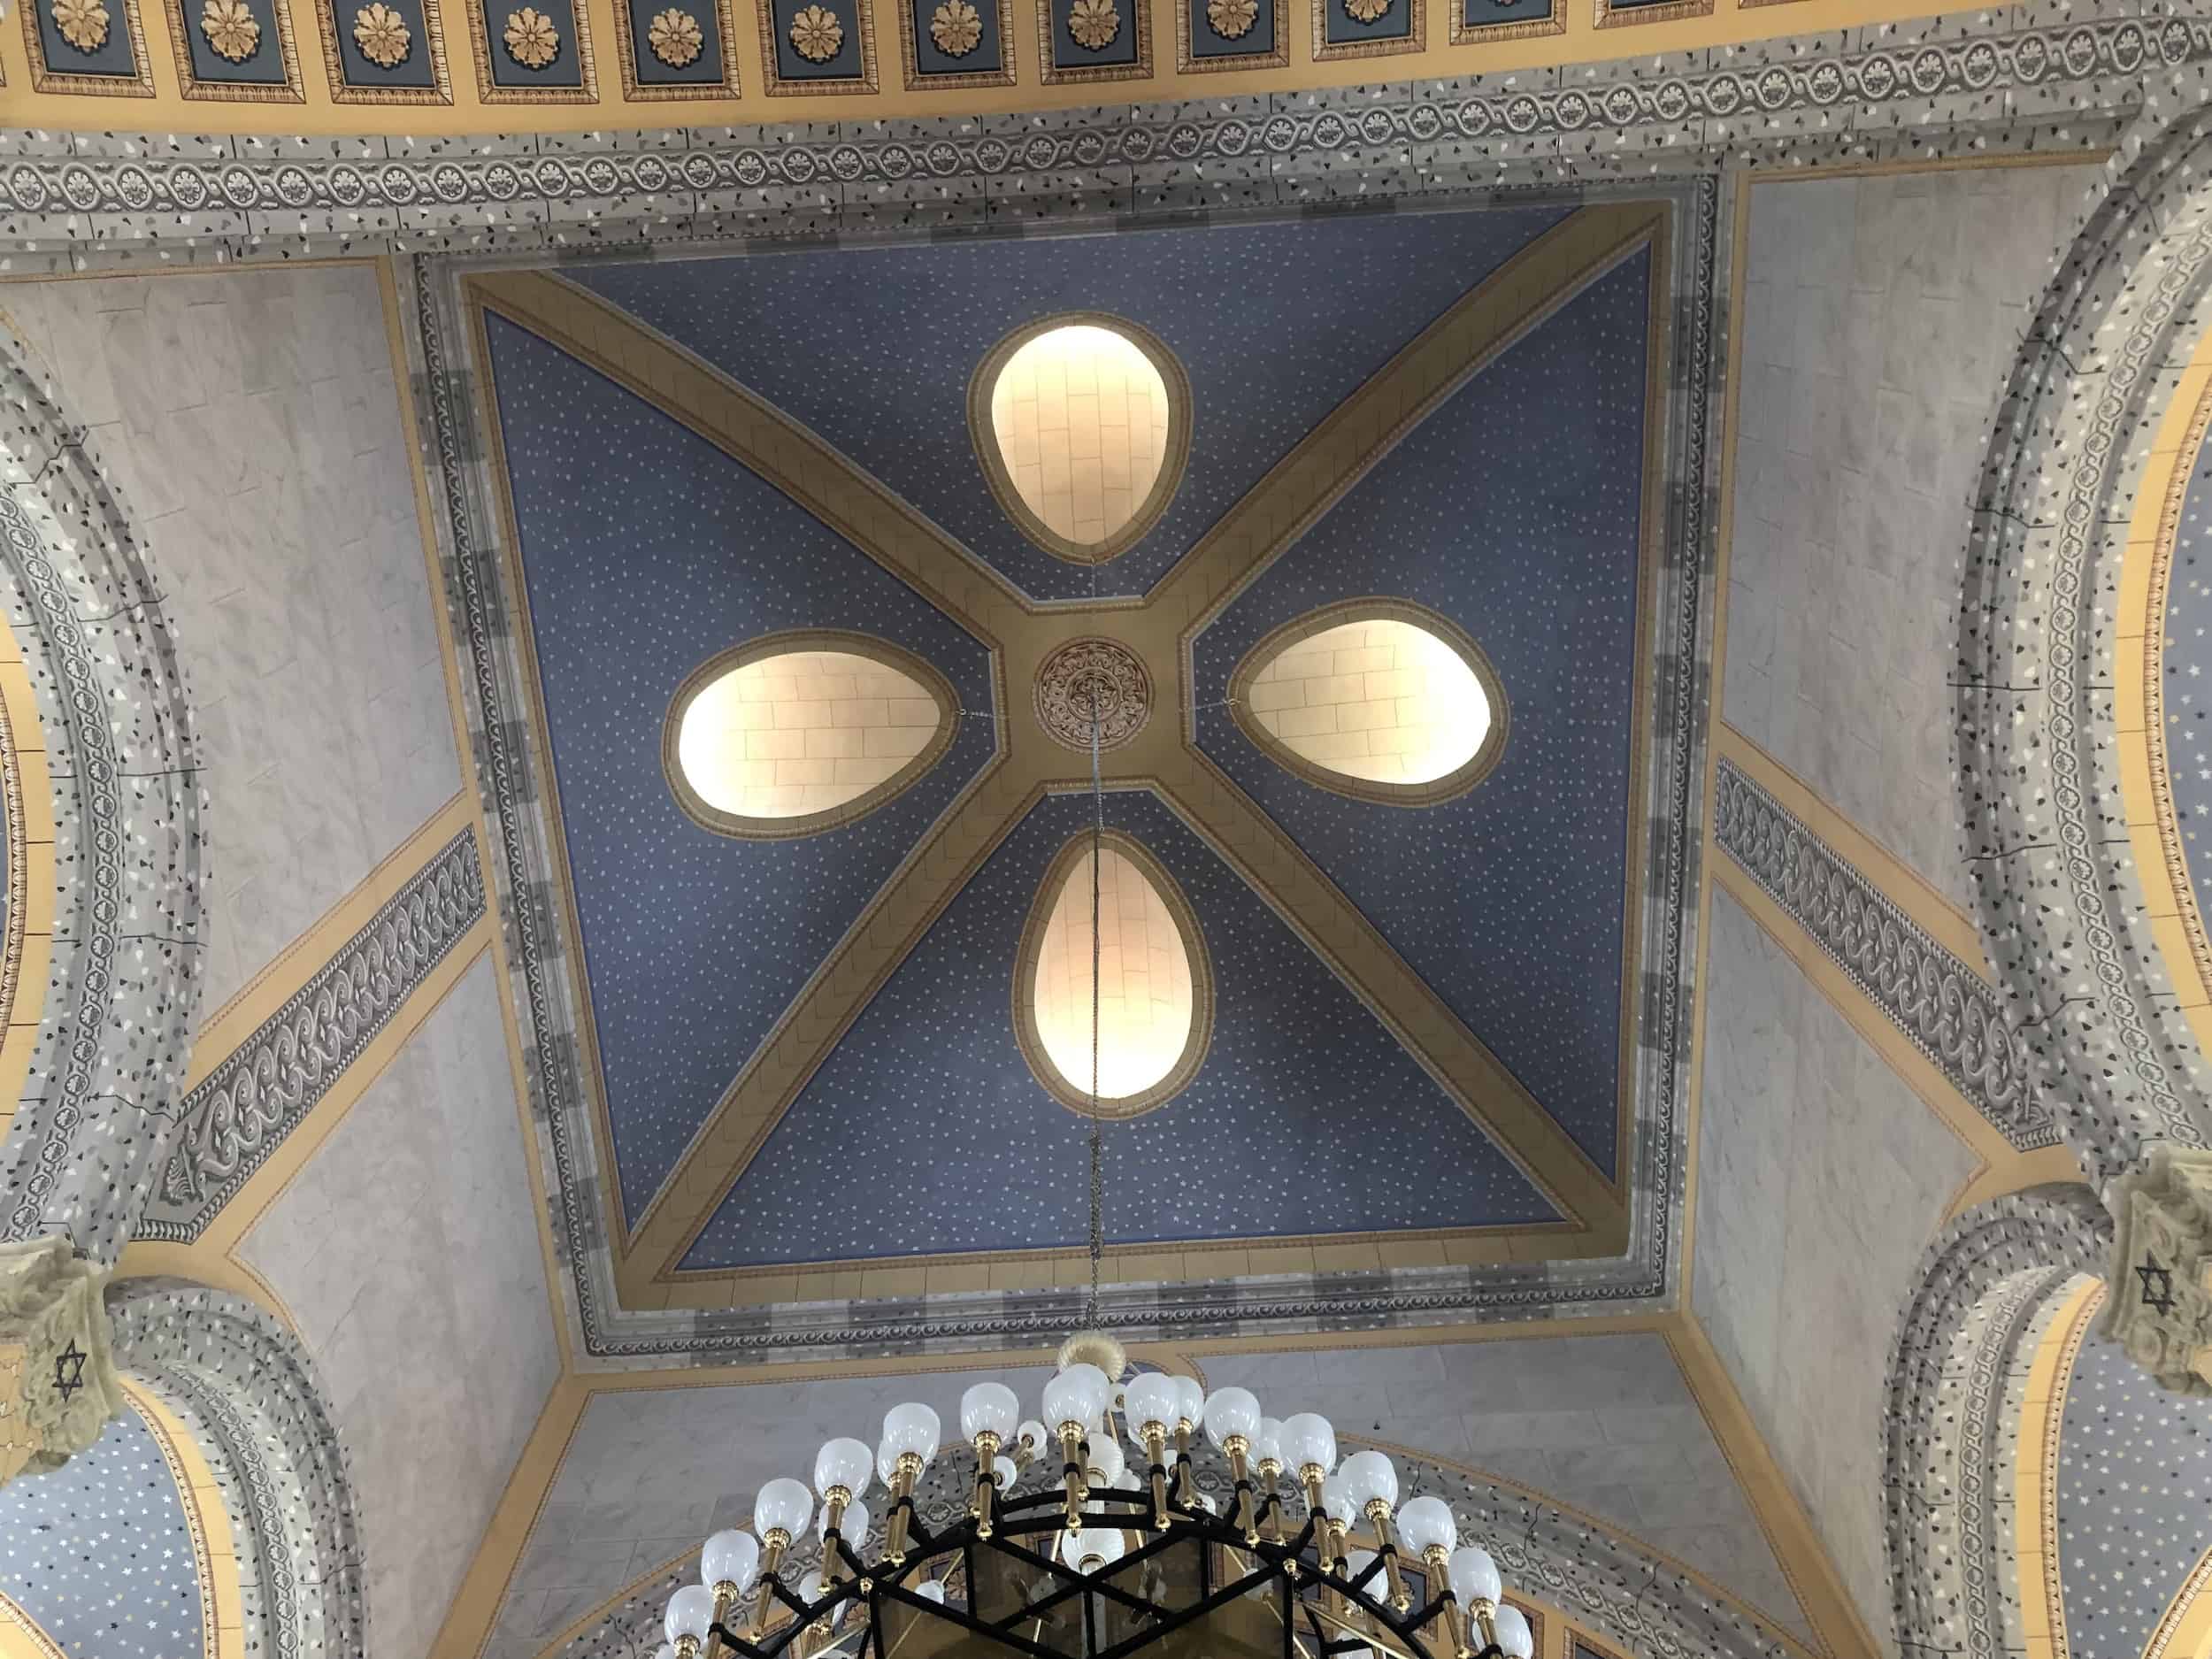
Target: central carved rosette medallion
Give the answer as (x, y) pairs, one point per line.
(1092, 679)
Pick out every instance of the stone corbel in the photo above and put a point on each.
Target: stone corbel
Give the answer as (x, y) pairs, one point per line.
(2160, 1306)
(58, 1385)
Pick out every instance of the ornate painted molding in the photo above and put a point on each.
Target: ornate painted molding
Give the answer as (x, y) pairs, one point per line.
(1947, 1009)
(1987, 1287)
(247, 1392)
(244, 1108)
(1965, 78)
(97, 1118)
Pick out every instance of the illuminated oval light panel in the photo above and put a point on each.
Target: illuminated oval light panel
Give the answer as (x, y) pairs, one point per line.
(1155, 999)
(1398, 706)
(790, 736)
(1083, 428)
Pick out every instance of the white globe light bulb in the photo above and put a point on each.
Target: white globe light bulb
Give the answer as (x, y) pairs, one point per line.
(1515, 1641)
(989, 1408)
(1232, 1411)
(783, 1506)
(843, 1463)
(1474, 1577)
(910, 1430)
(1426, 1524)
(729, 1557)
(690, 1613)
(1368, 1478)
(1308, 1441)
(1078, 1394)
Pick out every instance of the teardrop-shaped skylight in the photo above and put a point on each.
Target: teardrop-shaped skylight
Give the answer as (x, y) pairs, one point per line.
(1155, 1003)
(771, 740)
(1393, 705)
(1082, 424)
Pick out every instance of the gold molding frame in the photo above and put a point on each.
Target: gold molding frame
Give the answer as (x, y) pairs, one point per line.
(1414, 39)
(46, 78)
(637, 91)
(440, 88)
(783, 642)
(1493, 314)
(207, 1519)
(1187, 62)
(1004, 75)
(191, 86)
(990, 455)
(21, 1637)
(1611, 15)
(1465, 34)
(780, 86)
(1031, 1041)
(2035, 1471)
(1375, 608)
(27, 783)
(1048, 15)
(490, 92)
(2184, 1630)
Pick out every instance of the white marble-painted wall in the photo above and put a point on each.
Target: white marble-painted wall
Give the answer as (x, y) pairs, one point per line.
(1603, 1422)
(408, 1252)
(1880, 320)
(251, 418)
(1821, 1179)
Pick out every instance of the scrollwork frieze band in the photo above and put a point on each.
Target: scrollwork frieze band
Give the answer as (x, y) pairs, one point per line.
(249, 1102)
(1948, 1010)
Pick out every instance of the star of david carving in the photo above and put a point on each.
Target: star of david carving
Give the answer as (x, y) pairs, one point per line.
(2158, 1285)
(69, 1369)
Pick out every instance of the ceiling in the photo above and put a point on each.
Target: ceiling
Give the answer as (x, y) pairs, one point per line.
(802, 1053)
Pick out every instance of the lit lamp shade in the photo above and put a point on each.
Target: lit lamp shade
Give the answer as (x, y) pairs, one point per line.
(1003, 1474)
(1232, 1411)
(932, 1590)
(1515, 1641)
(1107, 1462)
(843, 1463)
(1356, 1563)
(1426, 1524)
(1033, 1437)
(989, 1408)
(1367, 1476)
(1190, 1400)
(853, 1528)
(690, 1613)
(1474, 1577)
(731, 1557)
(810, 1588)
(1078, 1394)
(1336, 1498)
(783, 1506)
(1267, 1442)
(1308, 1442)
(1094, 1549)
(910, 1428)
(664, 1652)
(1150, 1398)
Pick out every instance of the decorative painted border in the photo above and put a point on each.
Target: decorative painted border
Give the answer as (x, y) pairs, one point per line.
(637, 91)
(1031, 1041)
(1463, 33)
(781, 85)
(18, 833)
(708, 817)
(1188, 62)
(1947, 1009)
(1454, 783)
(45, 78)
(191, 86)
(489, 91)
(916, 81)
(242, 1110)
(1053, 75)
(344, 91)
(1611, 14)
(1414, 40)
(989, 454)
(158, 1422)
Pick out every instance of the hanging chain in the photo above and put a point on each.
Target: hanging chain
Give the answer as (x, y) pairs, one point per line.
(1098, 1177)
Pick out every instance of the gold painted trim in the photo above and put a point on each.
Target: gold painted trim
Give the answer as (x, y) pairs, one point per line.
(637, 91)
(2035, 1471)
(490, 92)
(1414, 39)
(341, 91)
(1187, 62)
(990, 456)
(740, 826)
(26, 787)
(1031, 1041)
(1378, 608)
(1465, 34)
(2146, 794)
(45, 78)
(2184, 1630)
(190, 87)
(207, 1519)
(1898, 882)
(21, 1637)
(1612, 16)
(779, 86)
(1812, 1577)
(1048, 14)
(910, 52)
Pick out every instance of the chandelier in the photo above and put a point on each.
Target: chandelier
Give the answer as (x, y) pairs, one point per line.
(1122, 1553)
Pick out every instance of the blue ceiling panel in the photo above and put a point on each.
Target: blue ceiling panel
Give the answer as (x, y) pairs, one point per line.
(1514, 511)
(873, 348)
(1306, 1116)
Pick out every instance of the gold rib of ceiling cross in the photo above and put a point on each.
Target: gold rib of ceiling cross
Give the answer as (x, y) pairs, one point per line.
(1498, 312)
